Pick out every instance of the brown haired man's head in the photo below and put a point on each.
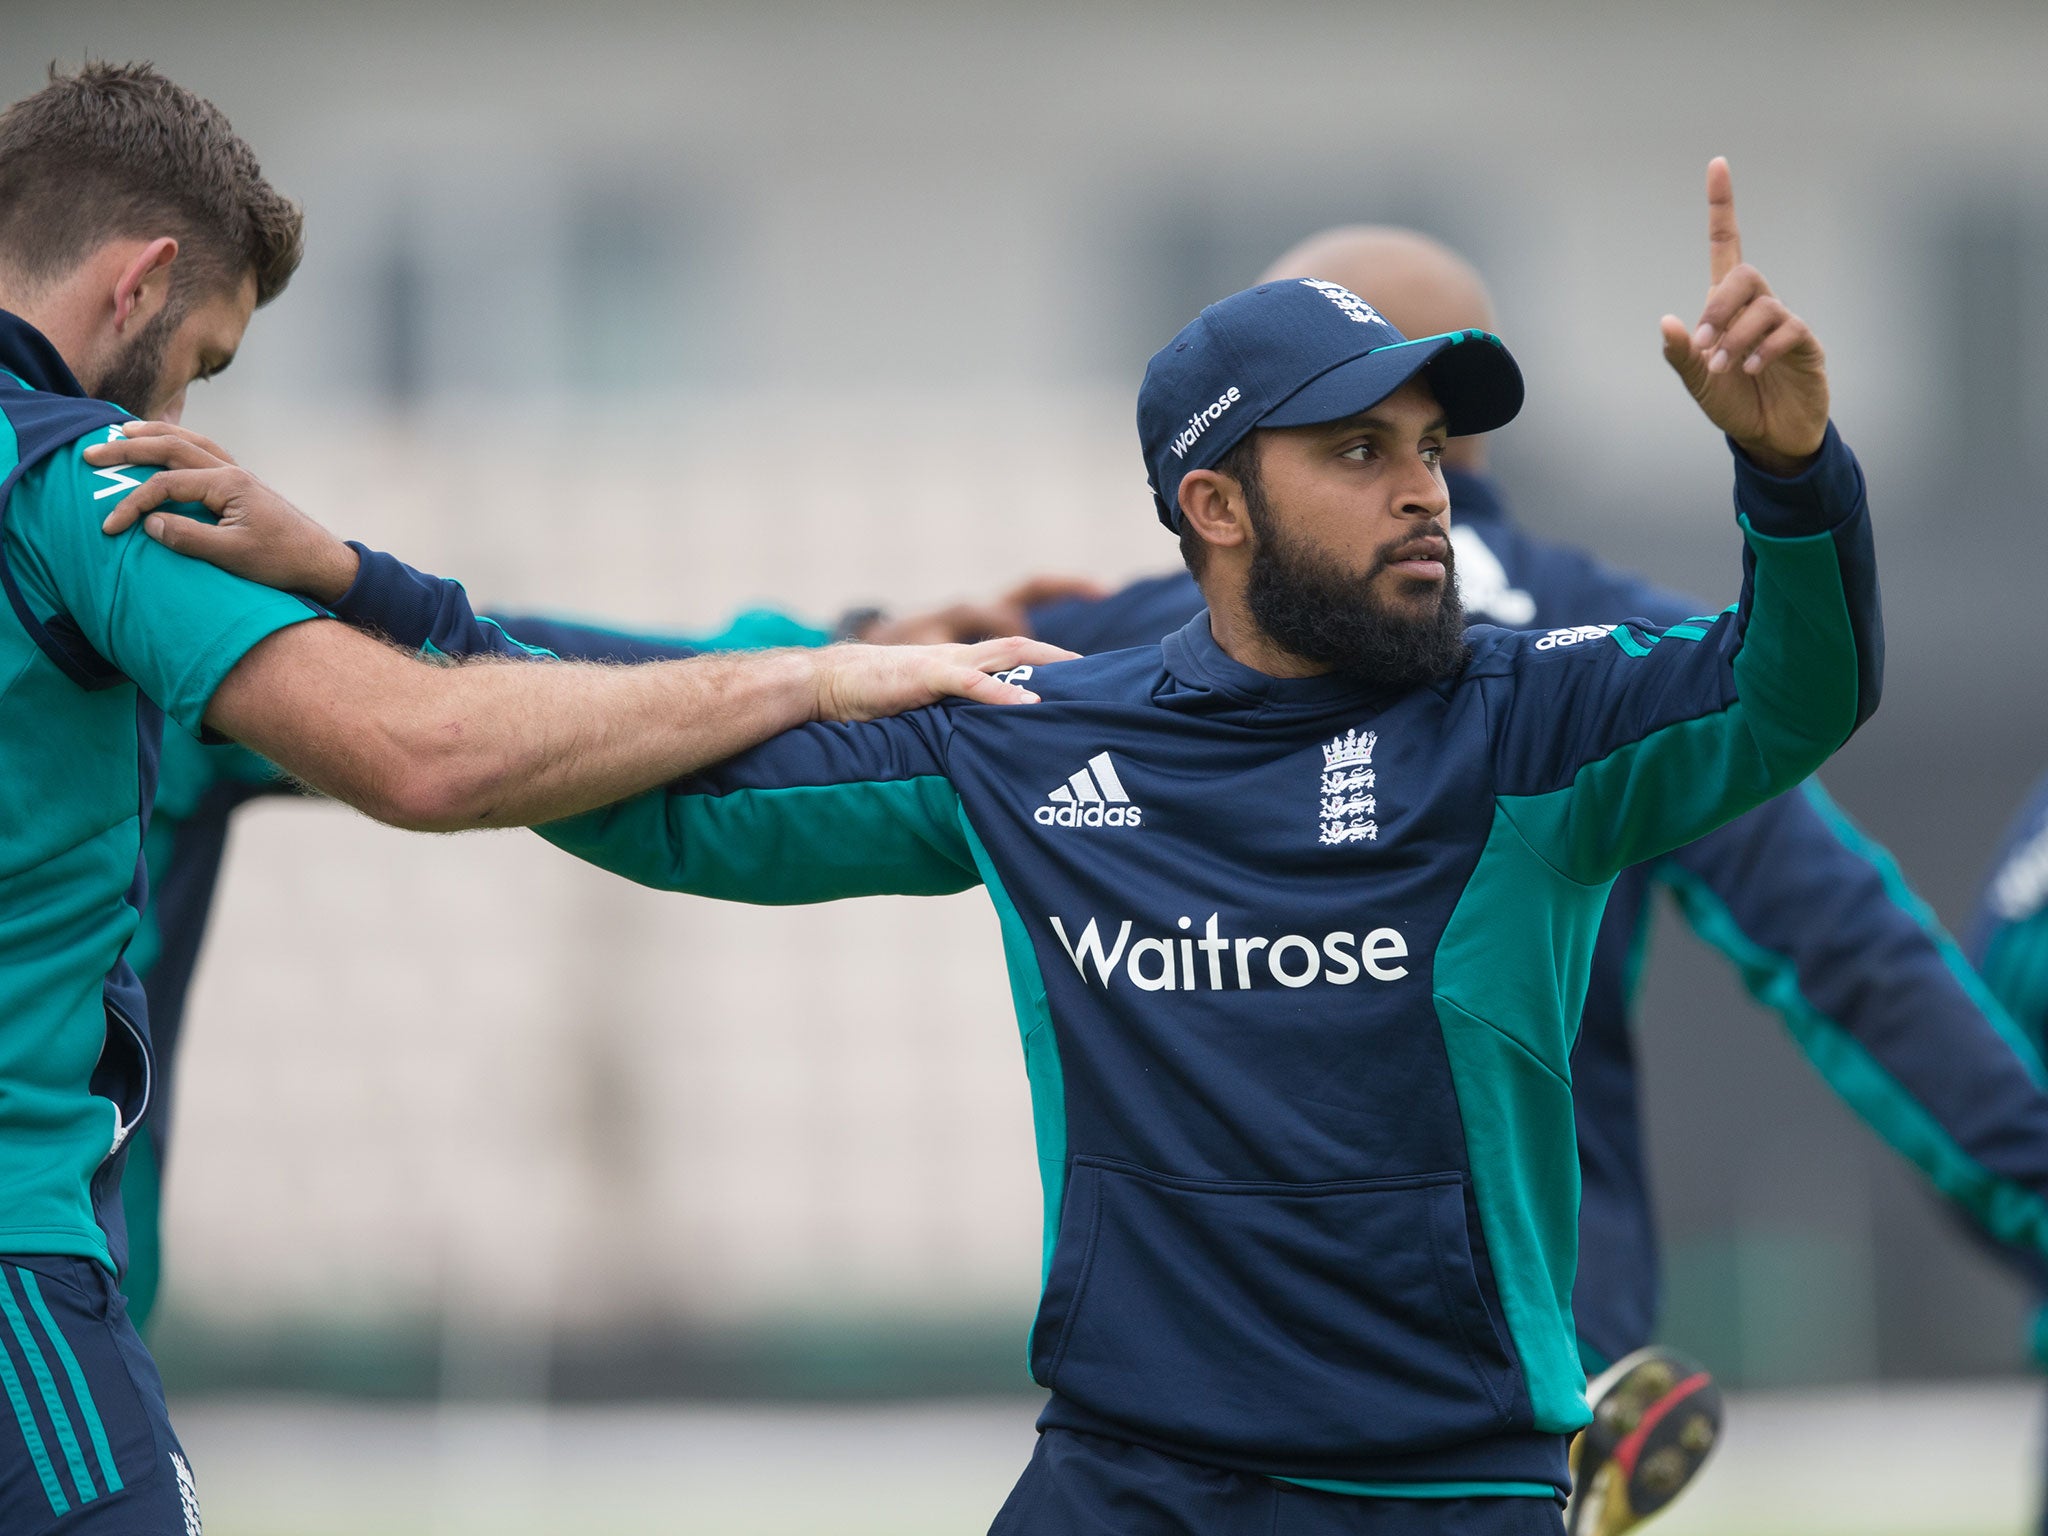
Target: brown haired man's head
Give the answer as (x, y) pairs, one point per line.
(137, 231)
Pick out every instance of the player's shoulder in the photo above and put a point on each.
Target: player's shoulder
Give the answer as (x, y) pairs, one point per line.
(52, 477)
(1108, 677)
(47, 426)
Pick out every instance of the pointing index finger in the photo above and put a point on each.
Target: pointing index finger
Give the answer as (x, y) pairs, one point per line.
(1724, 239)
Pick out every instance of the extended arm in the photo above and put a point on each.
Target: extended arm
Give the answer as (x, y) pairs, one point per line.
(826, 812)
(813, 815)
(1825, 932)
(817, 814)
(1619, 742)
(443, 748)
(440, 748)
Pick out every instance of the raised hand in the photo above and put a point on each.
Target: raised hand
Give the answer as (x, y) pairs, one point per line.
(259, 536)
(1753, 366)
(862, 682)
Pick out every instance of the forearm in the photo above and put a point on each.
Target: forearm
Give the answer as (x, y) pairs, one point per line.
(1811, 662)
(1623, 742)
(440, 748)
(526, 744)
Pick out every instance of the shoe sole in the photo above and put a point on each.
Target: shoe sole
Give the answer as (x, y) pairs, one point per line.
(1657, 1417)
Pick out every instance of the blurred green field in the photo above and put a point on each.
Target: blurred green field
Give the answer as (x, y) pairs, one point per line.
(1949, 1461)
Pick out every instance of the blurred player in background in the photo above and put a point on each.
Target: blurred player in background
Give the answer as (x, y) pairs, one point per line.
(1311, 1201)
(1814, 916)
(137, 237)
(2009, 943)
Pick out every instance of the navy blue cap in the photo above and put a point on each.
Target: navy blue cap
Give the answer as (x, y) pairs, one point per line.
(1293, 353)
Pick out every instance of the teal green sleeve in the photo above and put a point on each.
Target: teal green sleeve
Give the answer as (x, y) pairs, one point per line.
(816, 814)
(1611, 743)
(175, 626)
(1621, 742)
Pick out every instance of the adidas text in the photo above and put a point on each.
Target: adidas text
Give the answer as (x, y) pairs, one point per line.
(1557, 639)
(1094, 797)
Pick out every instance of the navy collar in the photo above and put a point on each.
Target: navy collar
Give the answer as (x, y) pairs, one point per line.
(1475, 497)
(26, 353)
(1192, 655)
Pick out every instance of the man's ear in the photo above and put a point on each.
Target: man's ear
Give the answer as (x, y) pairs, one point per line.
(1212, 503)
(144, 286)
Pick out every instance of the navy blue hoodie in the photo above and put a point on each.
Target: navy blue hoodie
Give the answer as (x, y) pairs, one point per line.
(1815, 917)
(1298, 965)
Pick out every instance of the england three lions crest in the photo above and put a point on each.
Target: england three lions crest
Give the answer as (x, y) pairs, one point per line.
(1350, 809)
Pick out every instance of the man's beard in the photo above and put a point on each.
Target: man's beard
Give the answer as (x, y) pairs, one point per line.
(134, 379)
(1308, 606)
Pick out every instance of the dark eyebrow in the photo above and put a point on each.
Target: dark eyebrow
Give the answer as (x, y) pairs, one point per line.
(1365, 421)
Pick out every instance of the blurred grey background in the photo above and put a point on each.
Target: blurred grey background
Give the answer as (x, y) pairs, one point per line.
(656, 311)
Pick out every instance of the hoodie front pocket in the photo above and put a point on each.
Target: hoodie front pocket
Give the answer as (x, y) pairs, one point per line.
(1330, 1321)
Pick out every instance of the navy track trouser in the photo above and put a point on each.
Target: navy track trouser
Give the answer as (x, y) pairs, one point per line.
(1083, 1485)
(86, 1447)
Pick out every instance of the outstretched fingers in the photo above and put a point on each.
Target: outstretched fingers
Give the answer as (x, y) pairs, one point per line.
(977, 680)
(1006, 651)
(985, 689)
(161, 444)
(171, 449)
(140, 430)
(210, 487)
(189, 536)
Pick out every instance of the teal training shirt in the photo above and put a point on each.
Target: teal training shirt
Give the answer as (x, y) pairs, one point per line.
(77, 763)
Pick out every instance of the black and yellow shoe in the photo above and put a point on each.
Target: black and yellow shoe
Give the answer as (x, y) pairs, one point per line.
(1656, 1416)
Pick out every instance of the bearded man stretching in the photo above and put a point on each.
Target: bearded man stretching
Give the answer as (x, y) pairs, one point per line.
(1298, 904)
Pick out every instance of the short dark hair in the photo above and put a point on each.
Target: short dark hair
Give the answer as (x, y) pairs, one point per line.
(119, 150)
(1241, 463)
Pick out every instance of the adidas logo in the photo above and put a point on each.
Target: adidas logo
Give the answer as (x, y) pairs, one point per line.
(1094, 797)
